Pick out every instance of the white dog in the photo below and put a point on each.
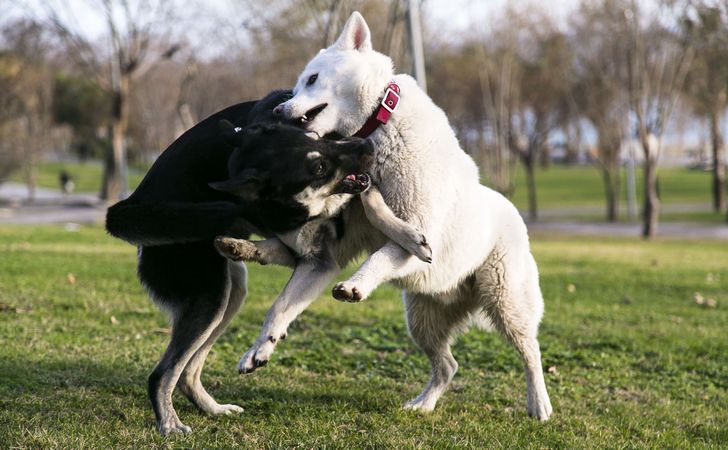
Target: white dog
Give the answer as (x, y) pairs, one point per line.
(482, 269)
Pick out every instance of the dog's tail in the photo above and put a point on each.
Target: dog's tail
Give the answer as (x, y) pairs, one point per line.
(171, 222)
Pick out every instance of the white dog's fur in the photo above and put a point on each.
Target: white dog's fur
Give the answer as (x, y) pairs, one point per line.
(482, 268)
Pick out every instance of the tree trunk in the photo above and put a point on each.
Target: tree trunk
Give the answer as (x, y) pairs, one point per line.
(528, 164)
(114, 187)
(611, 190)
(545, 157)
(719, 185)
(651, 212)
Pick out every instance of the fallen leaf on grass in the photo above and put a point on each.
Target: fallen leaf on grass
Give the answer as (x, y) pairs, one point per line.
(571, 288)
(71, 278)
(114, 321)
(702, 301)
(4, 307)
(698, 298)
(552, 370)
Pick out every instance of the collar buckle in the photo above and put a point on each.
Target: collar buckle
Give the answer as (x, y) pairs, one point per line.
(390, 100)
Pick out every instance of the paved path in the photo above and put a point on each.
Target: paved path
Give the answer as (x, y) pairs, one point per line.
(682, 230)
(51, 207)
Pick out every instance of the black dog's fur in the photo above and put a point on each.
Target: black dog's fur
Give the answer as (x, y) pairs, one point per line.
(175, 214)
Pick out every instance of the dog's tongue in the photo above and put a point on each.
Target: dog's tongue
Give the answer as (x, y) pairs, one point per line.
(351, 177)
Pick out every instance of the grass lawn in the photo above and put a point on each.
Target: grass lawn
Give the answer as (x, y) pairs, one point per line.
(87, 176)
(637, 363)
(580, 186)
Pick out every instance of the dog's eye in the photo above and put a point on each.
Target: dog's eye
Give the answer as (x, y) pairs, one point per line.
(312, 79)
(319, 169)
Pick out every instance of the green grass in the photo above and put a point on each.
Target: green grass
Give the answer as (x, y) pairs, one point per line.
(87, 176)
(638, 364)
(581, 186)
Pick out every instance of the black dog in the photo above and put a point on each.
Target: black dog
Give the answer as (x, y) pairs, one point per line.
(174, 216)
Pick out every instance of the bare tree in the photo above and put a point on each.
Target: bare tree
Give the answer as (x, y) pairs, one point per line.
(705, 25)
(599, 92)
(546, 81)
(136, 37)
(25, 100)
(657, 63)
(499, 80)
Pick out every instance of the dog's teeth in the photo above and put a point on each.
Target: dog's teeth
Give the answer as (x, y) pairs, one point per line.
(304, 119)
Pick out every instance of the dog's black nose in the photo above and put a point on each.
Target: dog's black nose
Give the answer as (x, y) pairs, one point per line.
(278, 110)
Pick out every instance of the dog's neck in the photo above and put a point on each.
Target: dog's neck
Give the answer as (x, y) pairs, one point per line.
(382, 111)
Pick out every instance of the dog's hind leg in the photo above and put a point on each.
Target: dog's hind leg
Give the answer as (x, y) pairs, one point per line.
(432, 326)
(512, 300)
(192, 325)
(189, 382)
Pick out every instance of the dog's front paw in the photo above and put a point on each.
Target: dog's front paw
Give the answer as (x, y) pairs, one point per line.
(258, 355)
(347, 292)
(417, 245)
(237, 249)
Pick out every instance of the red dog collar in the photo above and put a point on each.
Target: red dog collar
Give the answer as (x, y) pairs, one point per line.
(384, 111)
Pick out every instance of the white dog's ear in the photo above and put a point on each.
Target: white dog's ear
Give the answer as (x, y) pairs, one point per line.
(356, 35)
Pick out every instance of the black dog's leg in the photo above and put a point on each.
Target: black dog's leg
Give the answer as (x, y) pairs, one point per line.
(192, 326)
(189, 382)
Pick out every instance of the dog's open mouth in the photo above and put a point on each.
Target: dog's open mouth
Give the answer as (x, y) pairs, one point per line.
(354, 184)
(311, 114)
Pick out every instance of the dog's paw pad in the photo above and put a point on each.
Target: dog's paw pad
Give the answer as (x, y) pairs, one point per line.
(345, 293)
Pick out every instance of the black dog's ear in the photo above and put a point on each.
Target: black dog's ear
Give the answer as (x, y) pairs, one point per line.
(245, 185)
(229, 132)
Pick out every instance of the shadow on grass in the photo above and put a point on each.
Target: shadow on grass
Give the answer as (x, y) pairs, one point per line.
(100, 391)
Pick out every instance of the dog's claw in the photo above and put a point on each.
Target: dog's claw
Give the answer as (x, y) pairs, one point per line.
(416, 244)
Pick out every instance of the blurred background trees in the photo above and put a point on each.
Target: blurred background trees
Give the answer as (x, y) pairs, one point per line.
(523, 89)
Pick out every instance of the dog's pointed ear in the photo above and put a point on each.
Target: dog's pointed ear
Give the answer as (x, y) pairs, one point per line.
(229, 132)
(356, 35)
(245, 185)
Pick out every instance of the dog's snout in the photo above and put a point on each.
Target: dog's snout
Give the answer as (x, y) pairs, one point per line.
(278, 110)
